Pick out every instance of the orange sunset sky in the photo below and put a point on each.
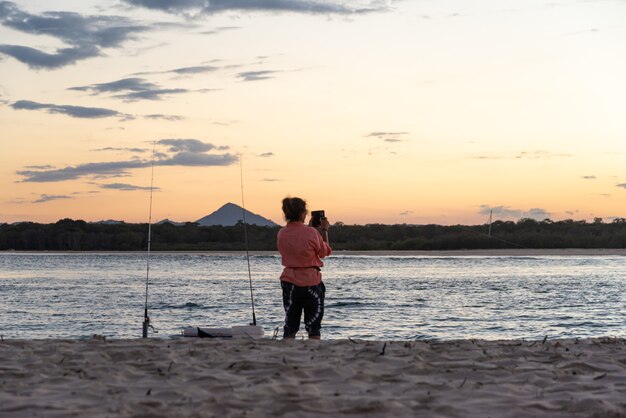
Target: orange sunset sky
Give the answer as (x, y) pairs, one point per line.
(376, 111)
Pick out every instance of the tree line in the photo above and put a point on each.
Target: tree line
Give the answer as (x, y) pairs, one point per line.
(78, 235)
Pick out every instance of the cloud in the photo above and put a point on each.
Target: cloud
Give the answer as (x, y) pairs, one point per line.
(122, 149)
(219, 29)
(534, 155)
(622, 185)
(37, 59)
(271, 180)
(98, 170)
(84, 36)
(171, 118)
(537, 213)
(125, 187)
(266, 154)
(387, 136)
(39, 167)
(589, 177)
(197, 69)
(189, 145)
(406, 213)
(379, 134)
(187, 71)
(47, 198)
(126, 84)
(179, 152)
(133, 89)
(525, 155)
(256, 75)
(203, 7)
(73, 111)
(506, 212)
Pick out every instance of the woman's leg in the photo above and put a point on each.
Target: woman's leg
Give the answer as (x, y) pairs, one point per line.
(293, 309)
(314, 310)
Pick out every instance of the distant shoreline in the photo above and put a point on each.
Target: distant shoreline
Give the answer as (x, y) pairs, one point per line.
(585, 252)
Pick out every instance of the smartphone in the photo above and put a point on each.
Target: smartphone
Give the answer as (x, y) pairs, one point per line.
(316, 218)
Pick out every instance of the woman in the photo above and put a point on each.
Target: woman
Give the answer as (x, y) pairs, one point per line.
(302, 249)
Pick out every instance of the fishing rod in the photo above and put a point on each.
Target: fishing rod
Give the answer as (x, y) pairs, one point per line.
(146, 318)
(488, 234)
(245, 238)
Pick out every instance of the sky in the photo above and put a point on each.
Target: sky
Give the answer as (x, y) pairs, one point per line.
(414, 111)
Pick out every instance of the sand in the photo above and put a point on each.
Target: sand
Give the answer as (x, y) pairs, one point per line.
(301, 378)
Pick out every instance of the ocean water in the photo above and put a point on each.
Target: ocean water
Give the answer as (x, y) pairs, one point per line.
(370, 297)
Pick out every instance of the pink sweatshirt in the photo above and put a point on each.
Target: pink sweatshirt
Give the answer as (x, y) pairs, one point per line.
(302, 249)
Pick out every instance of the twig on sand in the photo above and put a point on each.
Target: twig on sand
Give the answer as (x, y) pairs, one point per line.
(462, 383)
(170, 366)
(352, 341)
(544, 339)
(602, 376)
(382, 353)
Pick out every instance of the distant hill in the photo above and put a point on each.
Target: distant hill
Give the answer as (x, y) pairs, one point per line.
(108, 222)
(169, 221)
(230, 214)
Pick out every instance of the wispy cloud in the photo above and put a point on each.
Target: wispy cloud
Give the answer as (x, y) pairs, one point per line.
(588, 177)
(534, 155)
(388, 136)
(39, 167)
(271, 180)
(197, 69)
(125, 187)
(117, 149)
(171, 118)
(406, 213)
(525, 155)
(622, 185)
(178, 152)
(219, 29)
(256, 75)
(70, 110)
(84, 36)
(134, 89)
(266, 154)
(48, 198)
(203, 7)
(507, 212)
(189, 70)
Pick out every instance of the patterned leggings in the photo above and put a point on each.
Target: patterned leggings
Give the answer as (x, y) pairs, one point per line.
(311, 300)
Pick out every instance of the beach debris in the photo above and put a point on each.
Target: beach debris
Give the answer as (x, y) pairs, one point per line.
(170, 366)
(544, 339)
(382, 353)
(98, 337)
(602, 376)
(462, 383)
(149, 392)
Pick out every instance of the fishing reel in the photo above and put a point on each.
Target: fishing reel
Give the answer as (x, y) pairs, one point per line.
(146, 326)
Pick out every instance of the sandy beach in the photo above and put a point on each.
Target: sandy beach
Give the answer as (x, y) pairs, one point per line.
(244, 378)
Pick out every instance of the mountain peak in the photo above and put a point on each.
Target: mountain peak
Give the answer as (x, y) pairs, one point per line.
(230, 214)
